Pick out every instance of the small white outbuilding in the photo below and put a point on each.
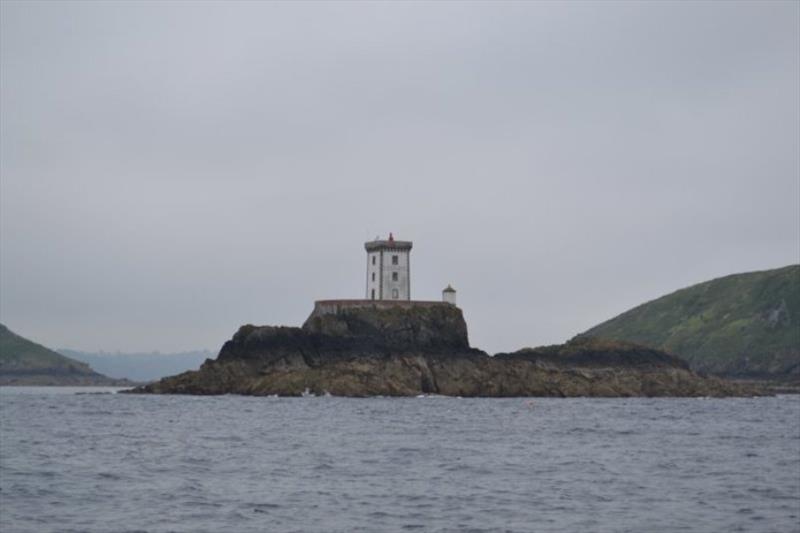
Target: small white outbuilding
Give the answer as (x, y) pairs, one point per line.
(449, 295)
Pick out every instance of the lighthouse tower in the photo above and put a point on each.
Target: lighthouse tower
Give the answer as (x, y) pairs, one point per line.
(388, 269)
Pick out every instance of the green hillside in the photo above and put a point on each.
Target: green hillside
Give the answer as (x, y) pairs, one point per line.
(744, 325)
(23, 362)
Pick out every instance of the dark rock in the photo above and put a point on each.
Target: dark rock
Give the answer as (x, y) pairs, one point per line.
(367, 350)
(434, 327)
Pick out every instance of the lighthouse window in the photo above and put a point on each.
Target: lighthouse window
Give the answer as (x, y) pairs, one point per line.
(373, 276)
(394, 276)
(395, 294)
(373, 259)
(394, 259)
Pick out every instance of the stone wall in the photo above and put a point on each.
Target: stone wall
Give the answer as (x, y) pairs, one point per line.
(333, 307)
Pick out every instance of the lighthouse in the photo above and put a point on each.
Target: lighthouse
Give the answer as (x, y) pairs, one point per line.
(388, 269)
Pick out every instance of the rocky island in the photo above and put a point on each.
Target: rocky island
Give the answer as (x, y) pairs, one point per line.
(406, 348)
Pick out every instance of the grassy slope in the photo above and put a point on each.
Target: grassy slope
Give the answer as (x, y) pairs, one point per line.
(744, 324)
(25, 362)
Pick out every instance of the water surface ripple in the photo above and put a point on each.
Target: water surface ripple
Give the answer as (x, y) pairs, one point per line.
(95, 463)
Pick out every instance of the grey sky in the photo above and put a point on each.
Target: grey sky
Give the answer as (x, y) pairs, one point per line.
(171, 171)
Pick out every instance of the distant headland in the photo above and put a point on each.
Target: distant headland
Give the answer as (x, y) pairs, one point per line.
(743, 326)
(25, 363)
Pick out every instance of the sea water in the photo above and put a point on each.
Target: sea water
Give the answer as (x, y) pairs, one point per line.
(77, 462)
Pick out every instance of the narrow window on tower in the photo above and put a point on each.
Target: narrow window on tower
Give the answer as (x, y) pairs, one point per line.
(373, 259)
(395, 294)
(373, 294)
(394, 276)
(373, 276)
(394, 259)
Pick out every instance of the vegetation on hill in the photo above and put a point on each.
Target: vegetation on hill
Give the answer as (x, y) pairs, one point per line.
(743, 325)
(23, 362)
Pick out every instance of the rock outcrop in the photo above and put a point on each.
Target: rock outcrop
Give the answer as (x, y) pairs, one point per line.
(364, 349)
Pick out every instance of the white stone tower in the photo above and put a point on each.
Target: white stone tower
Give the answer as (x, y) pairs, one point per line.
(449, 295)
(388, 269)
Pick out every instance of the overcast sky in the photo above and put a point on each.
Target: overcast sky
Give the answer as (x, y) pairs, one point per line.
(169, 172)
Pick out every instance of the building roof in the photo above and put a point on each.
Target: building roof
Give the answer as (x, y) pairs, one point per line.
(391, 244)
(449, 289)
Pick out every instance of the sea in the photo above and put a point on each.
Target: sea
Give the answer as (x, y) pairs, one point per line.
(93, 460)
